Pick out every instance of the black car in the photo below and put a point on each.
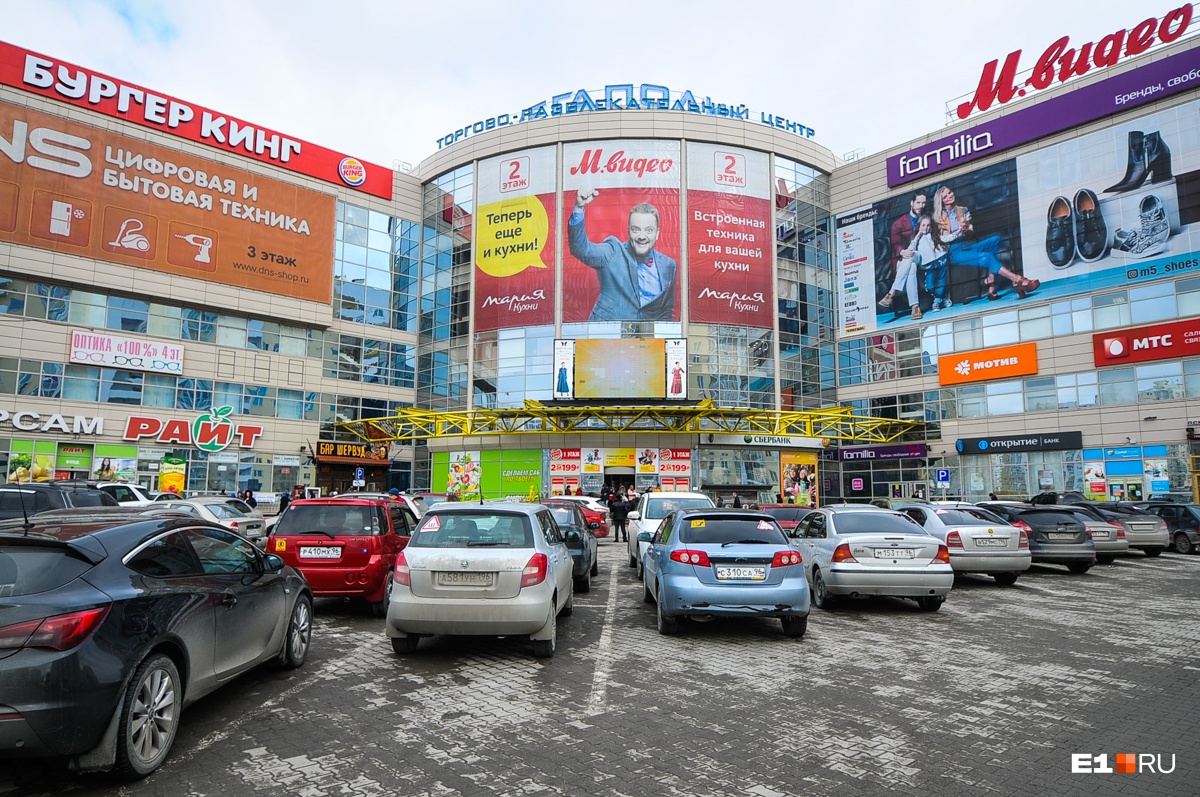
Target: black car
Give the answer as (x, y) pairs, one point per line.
(112, 622)
(26, 500)
(1183, 523)
(581, 541)
(1055, 536)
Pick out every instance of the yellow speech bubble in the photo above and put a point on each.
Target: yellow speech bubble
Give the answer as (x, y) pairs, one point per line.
(510, 236)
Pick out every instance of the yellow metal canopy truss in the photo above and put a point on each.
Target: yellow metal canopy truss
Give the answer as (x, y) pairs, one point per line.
(835, 423)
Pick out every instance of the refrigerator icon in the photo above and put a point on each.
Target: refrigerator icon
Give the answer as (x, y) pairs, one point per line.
(60, 218)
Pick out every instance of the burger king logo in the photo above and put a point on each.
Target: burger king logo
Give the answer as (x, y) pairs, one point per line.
(665, 454)
(352, 171)
(556, 454)
(1116, 347)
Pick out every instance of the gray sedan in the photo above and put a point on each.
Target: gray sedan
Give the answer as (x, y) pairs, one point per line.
(217, 509)
(978, 541)
(858, 551)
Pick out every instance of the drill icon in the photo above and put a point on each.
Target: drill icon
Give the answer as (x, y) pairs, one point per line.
(202, 242)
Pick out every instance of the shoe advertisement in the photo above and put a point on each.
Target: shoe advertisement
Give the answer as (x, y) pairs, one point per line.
(1107, 209)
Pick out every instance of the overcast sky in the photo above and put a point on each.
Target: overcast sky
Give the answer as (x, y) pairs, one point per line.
(385, 80)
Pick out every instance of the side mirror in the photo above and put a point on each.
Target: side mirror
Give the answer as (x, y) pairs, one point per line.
(274, 562)
(572, 536)
(635, 515)
(595, 524)
(645, 536)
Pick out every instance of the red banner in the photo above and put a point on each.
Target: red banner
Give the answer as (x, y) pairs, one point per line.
(1144, 344)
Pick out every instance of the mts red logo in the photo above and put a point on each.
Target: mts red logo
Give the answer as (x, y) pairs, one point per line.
(1122, 346)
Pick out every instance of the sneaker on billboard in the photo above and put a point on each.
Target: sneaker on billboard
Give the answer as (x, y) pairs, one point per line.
(1151, 238)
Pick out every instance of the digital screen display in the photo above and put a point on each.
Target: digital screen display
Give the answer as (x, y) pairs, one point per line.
(621, 368)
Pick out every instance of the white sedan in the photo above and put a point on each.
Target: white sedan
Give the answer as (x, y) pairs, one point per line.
(978, 541)
(218, 510)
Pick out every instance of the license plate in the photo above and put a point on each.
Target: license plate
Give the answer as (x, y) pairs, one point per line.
(1101, 534)
(320, 552)
(990, 542)
(741, 573)
(894, 553)
(1060, 535)
(451, 578)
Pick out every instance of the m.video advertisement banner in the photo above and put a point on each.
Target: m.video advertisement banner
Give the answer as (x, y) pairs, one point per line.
(76, 189)
(1114, 208)
(729, 236)
(514, 240)
(621, 208)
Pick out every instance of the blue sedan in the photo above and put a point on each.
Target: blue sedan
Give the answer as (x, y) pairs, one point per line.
(706, 563)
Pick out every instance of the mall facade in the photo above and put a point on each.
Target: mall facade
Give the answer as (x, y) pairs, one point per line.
(188, 299)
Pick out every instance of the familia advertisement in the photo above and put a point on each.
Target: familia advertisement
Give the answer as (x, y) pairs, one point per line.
(1112, 208)
(514, 241)
(621, 208)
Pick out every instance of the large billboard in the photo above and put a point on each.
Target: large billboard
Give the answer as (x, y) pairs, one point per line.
(729, 236)
(84, 191)
(621, 210)
(514, 240)
(623, 368)
(1105, 210)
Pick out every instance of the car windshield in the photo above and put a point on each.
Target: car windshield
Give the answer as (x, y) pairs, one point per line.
(786, 512)
(473, 530)
(658, 508)
(727, 530)
(339, 520)
(91, 498)
(30, 569)
(225, 512)
(875, 523)
(564, 515)
(967, 517)
(1049, 517)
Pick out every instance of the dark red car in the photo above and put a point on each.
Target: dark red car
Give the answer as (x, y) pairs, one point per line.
(787, 515)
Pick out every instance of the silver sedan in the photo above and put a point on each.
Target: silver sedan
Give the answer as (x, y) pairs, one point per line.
(860, 550)
(978, 541)
(218, 510)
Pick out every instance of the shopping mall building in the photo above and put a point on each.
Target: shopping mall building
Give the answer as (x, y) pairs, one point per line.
(634, 285)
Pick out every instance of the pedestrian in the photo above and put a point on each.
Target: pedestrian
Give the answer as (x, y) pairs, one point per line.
(285, 498)
(620, 515)
(992, 496)
(737, 502)
(250, 499)
(720, 502)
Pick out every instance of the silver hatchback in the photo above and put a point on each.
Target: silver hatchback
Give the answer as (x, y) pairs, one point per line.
(498, 569)
(978, 540)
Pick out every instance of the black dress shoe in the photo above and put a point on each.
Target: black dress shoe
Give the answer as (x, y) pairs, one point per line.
(1091, 233)
(1060, 233)
(1158, 158)
(1135, 171)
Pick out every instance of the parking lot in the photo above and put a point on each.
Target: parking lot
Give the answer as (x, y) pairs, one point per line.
(991, 695)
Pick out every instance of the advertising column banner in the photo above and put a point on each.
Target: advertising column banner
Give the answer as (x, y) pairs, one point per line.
(621, 205)
(76, 189)
(729, 236)
(674, 463)
(564, 369)
(799, 474)
(514, 240)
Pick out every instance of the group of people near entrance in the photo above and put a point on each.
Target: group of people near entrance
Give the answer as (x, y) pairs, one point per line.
(933, 240)
(620, 502)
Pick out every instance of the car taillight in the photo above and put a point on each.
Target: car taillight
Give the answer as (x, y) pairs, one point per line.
(233, 524)
(1024, 543)
(943, 554)
(953, 540)
(61, 632)
(1120, 529)
(400, 572)
(785, 558)
(1021, 524)
(535, 570)
(842, 553)
(698, 558)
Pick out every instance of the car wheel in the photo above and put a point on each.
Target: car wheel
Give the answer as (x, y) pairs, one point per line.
(930, 603)
(544, 648)
(1183, 543)
(596, 566)
(666, 625)
(647, 595)
(584, 583)
(1079, 568)
(299, 634)
(1005, 579)
(794, 626)
(1106, 559)
(568, 608)
(149, 717)
(632, 560)
(821, 597)
(405, 644)
(641, 572)
(380, 609)
(1152, 552)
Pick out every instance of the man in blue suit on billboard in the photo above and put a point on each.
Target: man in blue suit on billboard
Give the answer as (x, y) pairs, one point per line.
(637, 282)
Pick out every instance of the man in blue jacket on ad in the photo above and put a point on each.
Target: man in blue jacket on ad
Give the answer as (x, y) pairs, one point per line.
(637, 282)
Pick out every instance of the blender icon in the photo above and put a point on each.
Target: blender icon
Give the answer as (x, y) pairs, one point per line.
(202, 243)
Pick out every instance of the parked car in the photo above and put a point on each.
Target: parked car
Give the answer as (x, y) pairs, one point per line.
(857, 551)
(492, 569)
(1143, 530)
(577, 531)
(708, 562)
(788, 516)
(1181, 497)
(20, 500)
(1182, 521)
(650, 511)
(125, 493)
(1055, 536)
(978, 541)
(431, 498)
(346, 546)
(215, 509)
(1108, 535)
(112, 623)
(415, 504)
(593, 510)
(165, 497)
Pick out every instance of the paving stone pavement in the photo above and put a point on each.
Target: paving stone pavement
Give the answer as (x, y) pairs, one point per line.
(989, 696)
